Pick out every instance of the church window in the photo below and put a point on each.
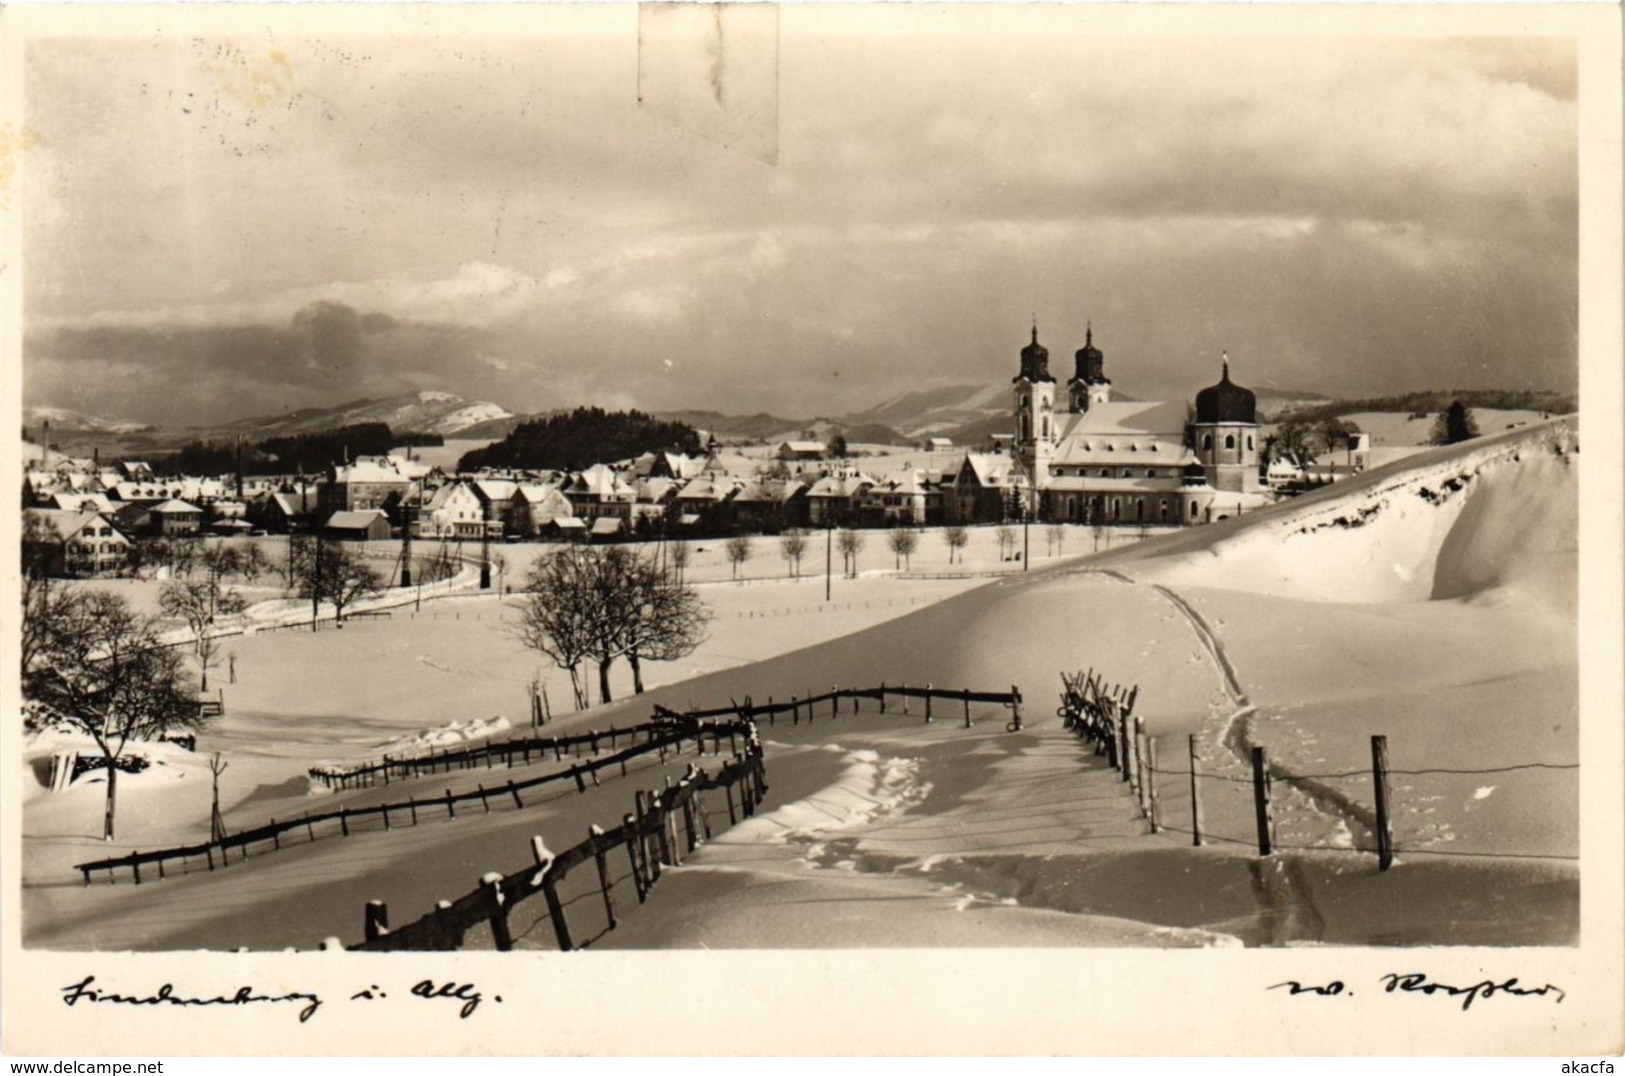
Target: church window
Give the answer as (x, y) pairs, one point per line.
(1249, 442)
(1139, 510)
(1127, 473)
(1207, 442)
(1104, 473)
(1193, 509)
(1134, 448)
(1149, 473)
(1229, 440)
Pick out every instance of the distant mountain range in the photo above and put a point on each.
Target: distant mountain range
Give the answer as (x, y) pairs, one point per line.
(966, 414)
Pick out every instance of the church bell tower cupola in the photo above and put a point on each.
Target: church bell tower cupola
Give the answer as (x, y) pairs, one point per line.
(1034, 391)
(1225, 434)
(1089, 384)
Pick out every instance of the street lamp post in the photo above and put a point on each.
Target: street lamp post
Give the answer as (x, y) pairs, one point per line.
(829, 556)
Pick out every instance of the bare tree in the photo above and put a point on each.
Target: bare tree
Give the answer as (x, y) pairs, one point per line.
(956, 537)
(253, 563)
(101, 672)
(793, 546)
(1055, 537)
(333, 572)
(351, 580)
(200, 602)
(663, 619)
(182, 557)
(739, 551)
(1007, 541)
(902, 541)
(677, 555)
(554, 615)
(850, 543)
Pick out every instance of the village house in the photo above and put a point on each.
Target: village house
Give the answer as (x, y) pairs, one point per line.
(455, 511)
(794, 451)
(534, 508)
(770, 505)
(833, 499)
(912, 497)
(369, 525)
(599, 491)
(85, 544)
(370, 482)
(174, 519)
(701, 503)
(985, 487)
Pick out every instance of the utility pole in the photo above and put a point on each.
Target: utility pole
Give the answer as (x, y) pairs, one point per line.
(408, 514)
(829, 557)
(485, 555)
(316, 580)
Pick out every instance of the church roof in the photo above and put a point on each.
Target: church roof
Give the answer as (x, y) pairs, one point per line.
(1160, 418)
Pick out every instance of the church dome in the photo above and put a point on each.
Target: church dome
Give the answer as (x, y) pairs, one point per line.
(1091, 363)
(1034, 361)
(1226, 402)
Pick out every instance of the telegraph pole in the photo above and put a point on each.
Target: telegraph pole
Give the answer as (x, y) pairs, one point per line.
(485, 555)
(829, 540)
(407, 515)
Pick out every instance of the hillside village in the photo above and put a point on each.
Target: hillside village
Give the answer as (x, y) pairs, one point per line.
(1100, 460)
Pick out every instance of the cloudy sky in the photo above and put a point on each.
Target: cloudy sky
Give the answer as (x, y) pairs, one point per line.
(218, 226)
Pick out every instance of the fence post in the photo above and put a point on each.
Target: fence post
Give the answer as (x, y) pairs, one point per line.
(882, 696)
(595, 835)
(657, 804)
(1379, 782)
(967, 707)
(514, 792)
(1151, 781)
(1196, 796)
(451, 805)
(927, 704)
(1015, 707)
(629, 824)
(344, 821)
(1261, 799)
(1125, 750)
(1140, 783)
(377, 920)
(499, 922)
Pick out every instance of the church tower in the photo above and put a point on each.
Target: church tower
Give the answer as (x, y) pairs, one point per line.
(1035, 412)
(1225, 435)
(1089, 384)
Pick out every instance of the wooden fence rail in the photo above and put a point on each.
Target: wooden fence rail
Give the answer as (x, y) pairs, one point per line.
(669, 730)
(663, 736)
(506, 752)
(651, 837)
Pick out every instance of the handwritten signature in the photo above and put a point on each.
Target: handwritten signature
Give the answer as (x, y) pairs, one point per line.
(1416, 982)
(467, 994)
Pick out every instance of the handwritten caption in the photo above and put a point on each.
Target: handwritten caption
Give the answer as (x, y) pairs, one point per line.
(1416, 982)
(466, 997)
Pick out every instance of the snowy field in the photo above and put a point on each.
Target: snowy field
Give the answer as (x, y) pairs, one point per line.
(1432, 602)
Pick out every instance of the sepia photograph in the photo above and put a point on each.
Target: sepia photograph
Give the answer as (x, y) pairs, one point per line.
(906, 496)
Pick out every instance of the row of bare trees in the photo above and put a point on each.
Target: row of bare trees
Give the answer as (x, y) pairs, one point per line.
(591, 604)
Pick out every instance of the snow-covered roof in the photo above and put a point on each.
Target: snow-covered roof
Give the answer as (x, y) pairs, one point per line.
(176, 508)
(1128, 417)
(67, 524)
(354, 520)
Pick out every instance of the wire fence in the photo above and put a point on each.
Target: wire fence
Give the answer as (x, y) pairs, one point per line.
(1359, 799)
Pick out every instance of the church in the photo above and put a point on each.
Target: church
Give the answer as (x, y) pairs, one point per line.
(1093, 458)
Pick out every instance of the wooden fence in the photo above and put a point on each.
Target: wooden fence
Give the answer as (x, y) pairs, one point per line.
(666, 825)
(1104, 716)
(658, 736)
(520, 750)
(668, 731)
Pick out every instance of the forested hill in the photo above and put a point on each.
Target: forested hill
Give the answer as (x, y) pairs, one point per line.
(573, 440)
(1435, 400)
